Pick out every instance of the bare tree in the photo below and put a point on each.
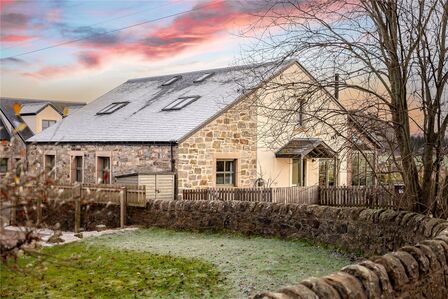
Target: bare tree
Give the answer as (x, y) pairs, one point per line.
(391, 58)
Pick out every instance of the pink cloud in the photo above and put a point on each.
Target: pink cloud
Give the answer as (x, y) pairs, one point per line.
(205, 23)
(11, 38)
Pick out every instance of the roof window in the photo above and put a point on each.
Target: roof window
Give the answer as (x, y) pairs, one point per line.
(180, 103)
(112, 108)
(171, 81)
(203, 77)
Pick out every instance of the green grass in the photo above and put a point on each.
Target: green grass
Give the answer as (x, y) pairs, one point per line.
(251, 264)
(79, 270)
(160, 263)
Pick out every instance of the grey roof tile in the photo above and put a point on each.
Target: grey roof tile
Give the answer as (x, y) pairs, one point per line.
(143, 119)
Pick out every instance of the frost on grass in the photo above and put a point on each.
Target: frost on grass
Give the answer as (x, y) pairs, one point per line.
(250, 264)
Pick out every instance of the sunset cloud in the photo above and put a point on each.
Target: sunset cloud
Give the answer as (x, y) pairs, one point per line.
(12, 38)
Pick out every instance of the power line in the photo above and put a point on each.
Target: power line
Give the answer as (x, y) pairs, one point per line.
(95, 24)
(115, 30)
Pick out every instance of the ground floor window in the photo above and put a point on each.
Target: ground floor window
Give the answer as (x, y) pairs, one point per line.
(225, 172)
(103, 170)
(298, 172)
(327, 172)
(362, 173)
(50, 162)
(3, 165)
(77, 169)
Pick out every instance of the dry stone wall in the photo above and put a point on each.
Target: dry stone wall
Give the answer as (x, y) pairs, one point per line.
(414, 248)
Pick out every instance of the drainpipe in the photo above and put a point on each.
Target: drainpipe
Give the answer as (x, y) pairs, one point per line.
(173, 168)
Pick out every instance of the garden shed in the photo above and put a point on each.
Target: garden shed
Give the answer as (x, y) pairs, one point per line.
(160, 185)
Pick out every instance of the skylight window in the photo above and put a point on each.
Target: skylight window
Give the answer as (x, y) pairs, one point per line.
(180, 103)
(112, 108)
(203, 77)
(171, 81)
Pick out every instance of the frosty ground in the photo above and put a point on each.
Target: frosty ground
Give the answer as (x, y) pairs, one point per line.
(193, 264)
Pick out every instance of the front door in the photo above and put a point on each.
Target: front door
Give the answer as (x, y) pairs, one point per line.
(298, 172)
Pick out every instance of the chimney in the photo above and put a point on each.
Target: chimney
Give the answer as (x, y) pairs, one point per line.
(336, 86)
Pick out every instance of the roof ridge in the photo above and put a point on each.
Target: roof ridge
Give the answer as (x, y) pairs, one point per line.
(235, 67)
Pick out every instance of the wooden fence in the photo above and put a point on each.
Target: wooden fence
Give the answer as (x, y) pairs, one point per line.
(373, 197)
(102, 193)
(299, 195)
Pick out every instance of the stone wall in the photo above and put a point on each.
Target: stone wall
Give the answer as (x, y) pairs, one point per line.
(125, 158)
(232, 135)
(13, 150)
(411, 271)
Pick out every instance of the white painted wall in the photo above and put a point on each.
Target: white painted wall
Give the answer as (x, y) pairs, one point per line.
(275, 130)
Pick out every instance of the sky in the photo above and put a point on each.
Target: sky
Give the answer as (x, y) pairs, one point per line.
(77, 50)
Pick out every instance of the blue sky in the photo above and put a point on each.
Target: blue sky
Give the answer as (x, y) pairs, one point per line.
(90, 50)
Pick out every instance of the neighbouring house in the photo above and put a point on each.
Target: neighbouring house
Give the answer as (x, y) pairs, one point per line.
(23, 118)
(206, 128)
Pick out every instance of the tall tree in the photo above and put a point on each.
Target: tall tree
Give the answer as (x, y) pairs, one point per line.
(391, 57)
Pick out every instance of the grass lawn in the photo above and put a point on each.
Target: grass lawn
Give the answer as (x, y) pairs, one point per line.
(165, 263)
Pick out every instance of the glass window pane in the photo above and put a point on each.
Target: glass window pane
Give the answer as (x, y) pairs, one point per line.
(229, 166)
(219, 165)
(219, 178)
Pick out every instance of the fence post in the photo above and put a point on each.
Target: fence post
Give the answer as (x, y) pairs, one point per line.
(123, 197)
(39, 211)
(13, 212)
(76, 194)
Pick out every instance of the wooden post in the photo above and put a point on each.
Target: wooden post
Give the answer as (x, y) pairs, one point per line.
(123, 198)
(76, 193)
(2, 229)
(13, 212)
(39, 211)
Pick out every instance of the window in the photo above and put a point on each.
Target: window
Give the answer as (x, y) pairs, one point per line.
(47, 123)
(77, 171)
(180, 103)
(299, 115)
(362, 174)
(203, 77)
(327, 172)
(112, 108)
(50, 165)
(225, 172)
(3, 165)
(298, 172)
(103, 170)
(171, 81)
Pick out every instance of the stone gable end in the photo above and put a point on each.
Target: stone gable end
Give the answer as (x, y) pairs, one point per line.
(232, 135)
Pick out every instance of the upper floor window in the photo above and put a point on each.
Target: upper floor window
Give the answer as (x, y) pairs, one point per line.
(299, 114)
(47, 123)
(203, 77)
(3, 165)
(225, 172)
(171, 81)
(109, 109)
(180, 103)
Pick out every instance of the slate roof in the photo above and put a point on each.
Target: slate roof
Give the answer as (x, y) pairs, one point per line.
(143, 120)
(4, 134)
(30, 106)
(309, 147)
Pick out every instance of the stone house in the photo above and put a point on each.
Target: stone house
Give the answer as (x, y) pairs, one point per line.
(205, 127)
(21, 119)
